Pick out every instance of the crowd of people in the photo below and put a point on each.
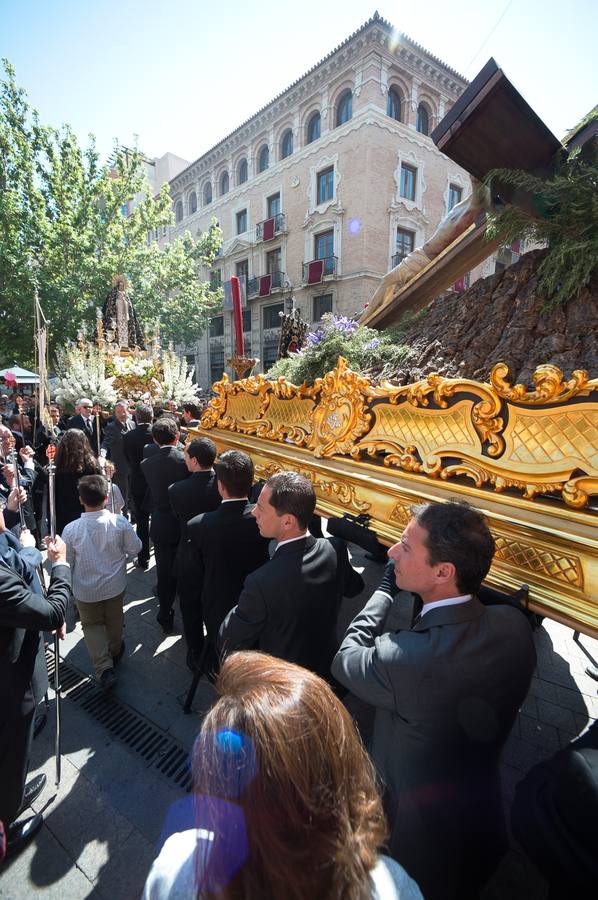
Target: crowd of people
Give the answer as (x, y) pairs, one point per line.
(287, 801)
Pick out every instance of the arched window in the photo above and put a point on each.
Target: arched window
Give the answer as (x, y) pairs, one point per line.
(224, 184)
(242, 171)
(178, 211)
(286, 145)
(313, 128)
(263, 160)
(344, 110)
(423, 120)
(192, 203)
(393, 105)
(207, 193)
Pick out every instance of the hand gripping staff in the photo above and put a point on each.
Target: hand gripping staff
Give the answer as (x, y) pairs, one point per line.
(51, 453)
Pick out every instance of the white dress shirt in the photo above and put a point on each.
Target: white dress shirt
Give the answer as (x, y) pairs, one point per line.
(97, 547)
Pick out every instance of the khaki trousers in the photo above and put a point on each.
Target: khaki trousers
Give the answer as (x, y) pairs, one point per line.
(102, 624)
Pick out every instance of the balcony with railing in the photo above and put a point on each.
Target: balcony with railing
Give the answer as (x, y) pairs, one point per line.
(264, 285)
(269, 228)
(318, 269)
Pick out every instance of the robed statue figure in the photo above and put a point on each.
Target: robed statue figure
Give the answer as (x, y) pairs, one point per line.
(119, 316)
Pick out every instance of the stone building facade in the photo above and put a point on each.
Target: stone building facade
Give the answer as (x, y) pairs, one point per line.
(324, 189)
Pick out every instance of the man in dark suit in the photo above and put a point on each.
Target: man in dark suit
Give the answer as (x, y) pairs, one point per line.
(23, 614)
(85, 421)
(227, 541)
(198, 494)
(288, 607)
(112, 448)
(134, 443)
(446, 693)
(160, 470)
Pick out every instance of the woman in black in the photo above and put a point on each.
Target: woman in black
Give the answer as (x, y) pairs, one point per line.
(73, 460)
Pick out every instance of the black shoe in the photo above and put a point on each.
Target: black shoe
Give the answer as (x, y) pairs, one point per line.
(32, 792)
(19, 834)
(142, 564)
(39, 723)
(116, 659)
(167, 623)
(108, 679)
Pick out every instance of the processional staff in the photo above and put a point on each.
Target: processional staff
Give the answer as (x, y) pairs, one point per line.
(13, 458)
(51, 453)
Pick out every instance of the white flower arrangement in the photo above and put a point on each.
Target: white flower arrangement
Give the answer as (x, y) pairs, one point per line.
(177, 379)
(132, 365)
(82, 373)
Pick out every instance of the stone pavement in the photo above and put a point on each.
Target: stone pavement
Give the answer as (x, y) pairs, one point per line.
(101, 827)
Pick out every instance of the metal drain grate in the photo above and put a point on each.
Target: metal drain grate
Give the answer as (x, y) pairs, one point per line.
(139, 734)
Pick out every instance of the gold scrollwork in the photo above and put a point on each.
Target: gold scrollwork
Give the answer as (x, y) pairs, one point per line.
(550, 386)
(339, 490)
(341, 416)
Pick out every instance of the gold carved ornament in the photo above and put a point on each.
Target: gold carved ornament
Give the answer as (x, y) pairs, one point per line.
(341, 416)
(414, 440)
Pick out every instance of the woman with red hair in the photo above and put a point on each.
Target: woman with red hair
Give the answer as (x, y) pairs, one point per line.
(285, 798)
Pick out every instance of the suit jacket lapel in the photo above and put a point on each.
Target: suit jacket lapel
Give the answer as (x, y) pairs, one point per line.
(450, 615)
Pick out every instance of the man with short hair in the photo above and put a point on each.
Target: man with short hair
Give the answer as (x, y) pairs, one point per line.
(134, 443)
(160, 470)
(197, 494)
(84, 421)
(191, 415)
(288, 607)
(446, 692)
(226, 542)
(98, 546)
(112, 448)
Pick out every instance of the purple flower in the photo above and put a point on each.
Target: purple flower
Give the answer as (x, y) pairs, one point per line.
(315, 337)
(373, 344)
(346, 326)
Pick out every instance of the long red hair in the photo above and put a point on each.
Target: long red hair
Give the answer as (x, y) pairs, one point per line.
(285, 787)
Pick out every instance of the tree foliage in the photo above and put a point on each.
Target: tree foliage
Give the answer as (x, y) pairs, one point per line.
(62, 229)
(566, 206)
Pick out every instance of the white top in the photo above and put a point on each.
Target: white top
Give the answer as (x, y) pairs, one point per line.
(173, 873)
(450, 601)
(97, 547)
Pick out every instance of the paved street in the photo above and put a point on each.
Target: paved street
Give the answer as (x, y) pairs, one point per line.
(101, 828)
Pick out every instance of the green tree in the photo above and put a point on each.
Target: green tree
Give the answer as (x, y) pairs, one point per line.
(62, 229)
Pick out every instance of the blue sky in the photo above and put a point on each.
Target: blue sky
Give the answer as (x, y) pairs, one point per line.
(180, 74)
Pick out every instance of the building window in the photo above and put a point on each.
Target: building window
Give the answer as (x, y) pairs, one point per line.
(273, 261)
(193, 203)
(207, 193)
(322, 304)
(224, 184)
(246, 320)
(405, 244)
(215, 279)
(242, 172)
(345, 108)
(423, 120)
(324, 249)
(242, 271)
(313, 128)
(273, 205)
(216, 326)
(242, 221)
(178, 211)
(408, 179)
(454, 195)
(393, 105)
(270, 317)
(286, 145)
(216, 365)
(325, 185)
(263, 159)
